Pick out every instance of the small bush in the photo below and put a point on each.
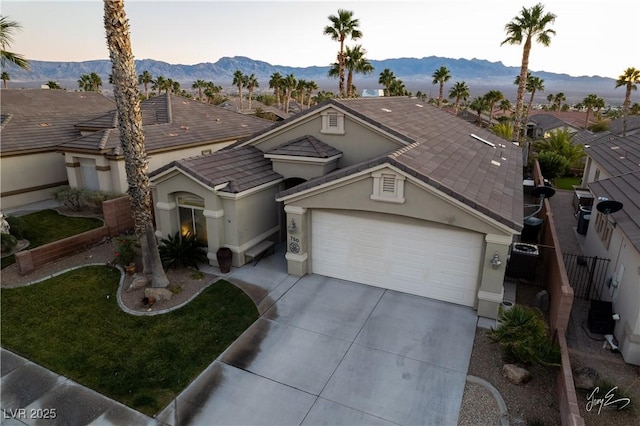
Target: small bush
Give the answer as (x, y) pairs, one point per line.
(522, 334)
(78, 199)
(552, 165)
(8, 242)
(17, 226)
(182, 251)
(126, 250)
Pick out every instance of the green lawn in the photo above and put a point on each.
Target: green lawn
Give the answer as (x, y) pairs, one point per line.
(48, 225)
(73, 325)
(566, 182)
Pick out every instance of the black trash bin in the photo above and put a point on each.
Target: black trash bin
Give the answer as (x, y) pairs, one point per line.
(531, 230)
(583, 220)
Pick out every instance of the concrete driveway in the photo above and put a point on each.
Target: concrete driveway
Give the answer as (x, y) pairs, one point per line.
(333, 352)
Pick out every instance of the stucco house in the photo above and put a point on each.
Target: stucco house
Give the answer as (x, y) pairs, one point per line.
(390, 192)
(72, 138)
(33, 124)
(612, 172)
(541, 125)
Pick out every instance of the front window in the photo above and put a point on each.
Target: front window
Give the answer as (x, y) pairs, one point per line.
(191, 215)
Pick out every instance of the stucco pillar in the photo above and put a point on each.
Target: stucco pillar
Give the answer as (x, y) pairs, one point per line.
(215, 233)
(491, 286)
(297, 241)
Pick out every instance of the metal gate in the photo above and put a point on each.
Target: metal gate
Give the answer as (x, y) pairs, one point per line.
(587, 275)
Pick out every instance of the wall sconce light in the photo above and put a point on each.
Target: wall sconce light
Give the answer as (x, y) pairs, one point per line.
(292, 228)
(495, 261)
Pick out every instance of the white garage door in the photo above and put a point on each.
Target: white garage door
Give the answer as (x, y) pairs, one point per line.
(397, 253)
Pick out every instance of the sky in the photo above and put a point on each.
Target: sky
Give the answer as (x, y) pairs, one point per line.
(593, 37)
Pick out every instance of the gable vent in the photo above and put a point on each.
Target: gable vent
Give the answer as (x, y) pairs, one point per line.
(388, 184)
(333, 120)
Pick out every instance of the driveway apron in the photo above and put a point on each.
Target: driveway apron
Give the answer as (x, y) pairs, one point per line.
(327, 351)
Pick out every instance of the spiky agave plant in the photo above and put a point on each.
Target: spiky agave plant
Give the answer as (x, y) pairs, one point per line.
(182, 251)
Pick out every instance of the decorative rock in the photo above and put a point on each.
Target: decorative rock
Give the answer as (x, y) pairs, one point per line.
(585, 378)
(541, 301)
(138, 282)
(515, 374)
(158, 294)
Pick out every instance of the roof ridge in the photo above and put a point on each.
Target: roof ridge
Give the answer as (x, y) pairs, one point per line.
(104, 139)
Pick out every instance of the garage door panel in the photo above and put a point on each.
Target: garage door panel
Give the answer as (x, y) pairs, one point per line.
(424, 260)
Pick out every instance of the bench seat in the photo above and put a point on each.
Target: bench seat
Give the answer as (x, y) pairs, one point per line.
(258, 251)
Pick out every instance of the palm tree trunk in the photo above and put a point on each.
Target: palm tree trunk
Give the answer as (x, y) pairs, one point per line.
(625, 109)
(131, 136)
(518, 124)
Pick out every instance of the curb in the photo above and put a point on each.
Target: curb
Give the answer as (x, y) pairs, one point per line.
(504, 415)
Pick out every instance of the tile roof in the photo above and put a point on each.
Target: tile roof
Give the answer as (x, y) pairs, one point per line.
(633, 125)
(243, 168)
(616, 155)
(625, 189)
(573, 118)
(444, 152)
(548, 122)
(585, 137)
(173, 121)
(39, 120)
(306, 146)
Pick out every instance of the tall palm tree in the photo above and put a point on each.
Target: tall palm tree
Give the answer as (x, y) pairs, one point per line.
(200, 85)
(386, 78)
(54, 84)
(534, 84)
(589, 102)
(311, 86)
(275, 82)
(397, 88)
(251, 84)
(239, 81)
(460, 90)
(558, 99)
(356, 62)
(174, 86)
(440, 76)
(531, 23)
(90, 82)
(630, 79)
(550, 98)
(5, 77)
(127, 99)
(300, 90)
(145, 79)
(505, 105)
(492, 96)
(479, 105)
(211, 91)
(343, 25)
(289, 83)
(7, 28)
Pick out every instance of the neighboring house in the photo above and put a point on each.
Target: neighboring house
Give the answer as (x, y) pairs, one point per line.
(633, 125)
(612, 172)
(233, 104)
(52, 138)
(572, 119)
(174, 127)
(33, 124)
(541, 125)
(389, 191)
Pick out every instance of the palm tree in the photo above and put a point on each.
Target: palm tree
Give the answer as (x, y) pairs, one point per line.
(145, 79)
(211, 91)
(629, 79)
(200, 85)
(5, 77)
(534, 84)
(239, 82)
(7, 29)
(505, 105)
(356, 63)
(559, 142)
(492, 96)
(275, 82)
(504, 130)
(300, 89)
(440, 76)
(289, 84)
(386, 78)
(343, 25)
(589, 102)
(311, 86)
(397, 88)
(53, 85)
(90, 82)
(558, 99)
(251, 84)
(531, 23)
(132, 137)
(479, 105)
(550, 98)
(460, 90)
(174, 86)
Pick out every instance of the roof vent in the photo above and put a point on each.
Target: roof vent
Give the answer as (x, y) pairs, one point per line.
(386, 109)
(491, 144)
(419, 105)
(495, 163)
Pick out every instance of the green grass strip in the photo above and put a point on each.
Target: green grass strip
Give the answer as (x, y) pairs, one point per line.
(72, 325)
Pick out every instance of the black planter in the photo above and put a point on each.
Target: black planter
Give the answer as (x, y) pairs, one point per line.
(224, 255)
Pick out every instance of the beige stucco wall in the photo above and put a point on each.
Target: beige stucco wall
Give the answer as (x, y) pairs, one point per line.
(589, 173)
(357, 144)
(303, 170)
(32, 176)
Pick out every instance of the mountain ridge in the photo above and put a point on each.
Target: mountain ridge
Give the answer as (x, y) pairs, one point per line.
(478, 73)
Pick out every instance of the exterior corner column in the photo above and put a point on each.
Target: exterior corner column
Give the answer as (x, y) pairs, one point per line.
(297, 255)
(491, 290)
(215, 233)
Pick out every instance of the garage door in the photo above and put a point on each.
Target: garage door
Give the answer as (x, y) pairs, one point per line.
(397, 253)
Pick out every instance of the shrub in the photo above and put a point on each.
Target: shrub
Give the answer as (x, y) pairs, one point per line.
(552, 165)
(17, 226)
(126, 250)
(182, 251)
(78, 199)
(522, 334)
(8, 242)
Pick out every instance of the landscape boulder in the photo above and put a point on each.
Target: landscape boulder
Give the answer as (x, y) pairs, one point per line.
(157, 294)
(138, 282)
(516, 375)
(585, 378)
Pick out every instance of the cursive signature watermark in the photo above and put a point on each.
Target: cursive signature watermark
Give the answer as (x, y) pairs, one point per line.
(594, 400)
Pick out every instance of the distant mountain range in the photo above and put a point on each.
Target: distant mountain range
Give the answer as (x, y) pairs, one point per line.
(481, 75)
